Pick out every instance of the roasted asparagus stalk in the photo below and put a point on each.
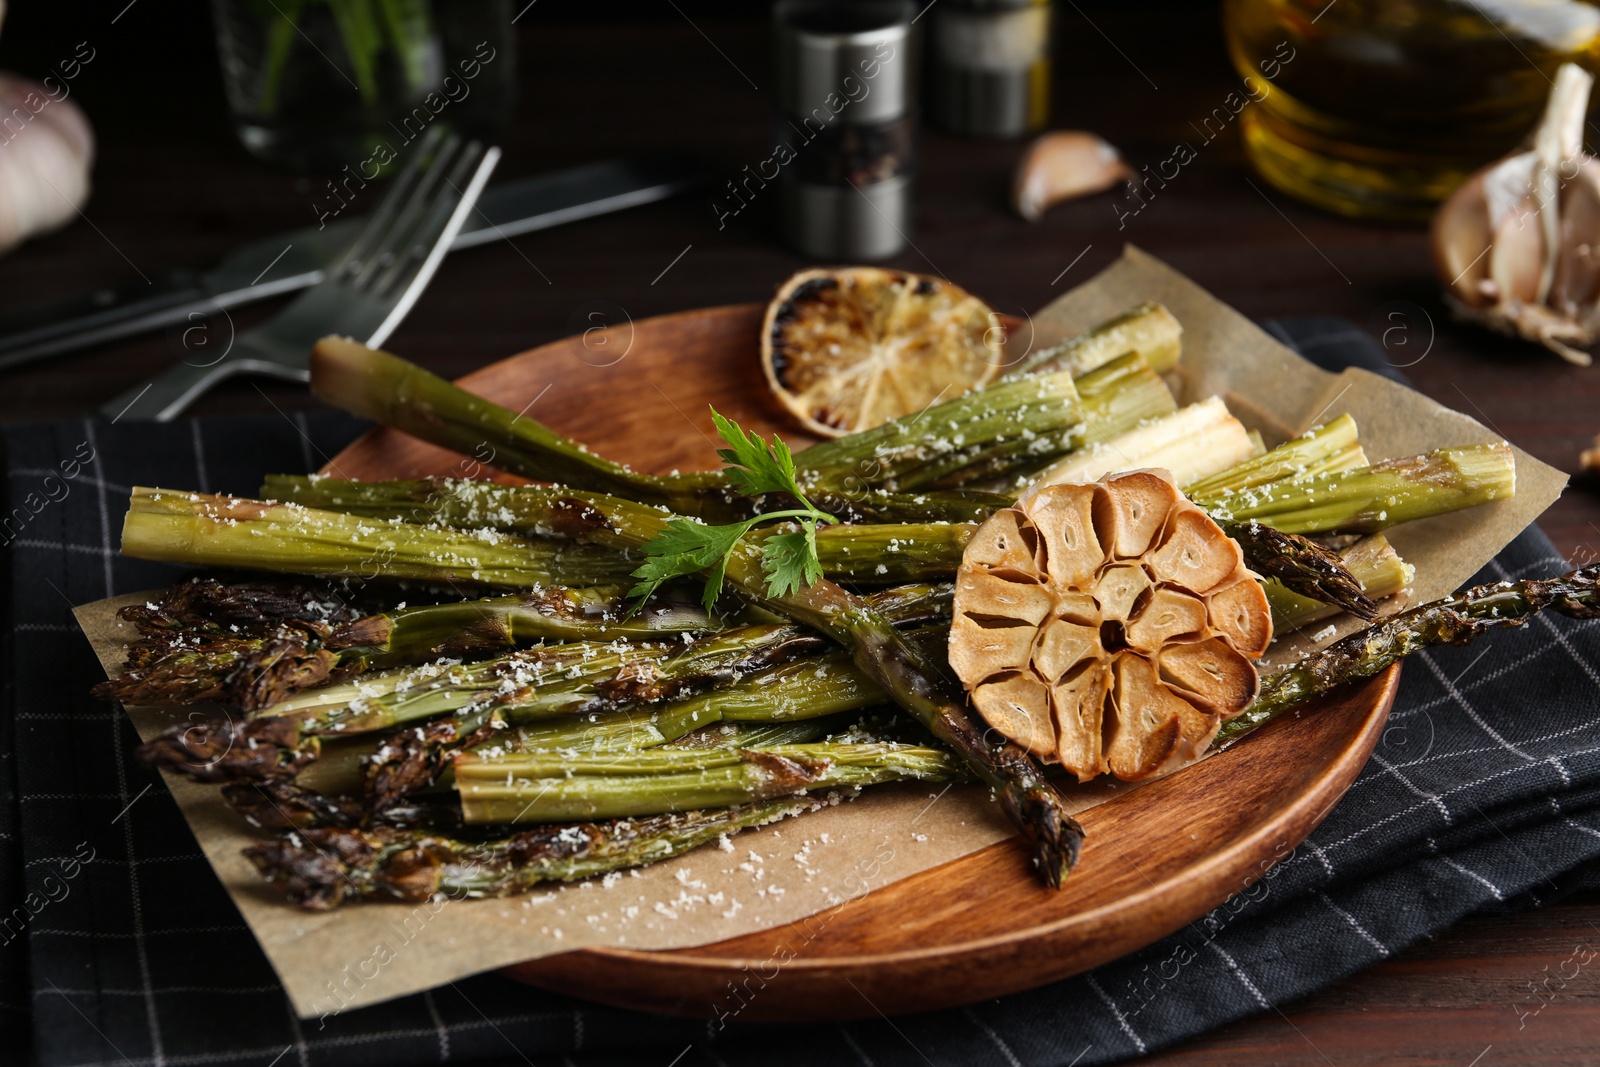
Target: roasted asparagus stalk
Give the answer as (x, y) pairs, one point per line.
(1373, 498)
(209, 530)
(980, 430)
(538, 788)
(1453, 620)
(321, 868)
(253, 665)
(1324, 449)
(1148, 329)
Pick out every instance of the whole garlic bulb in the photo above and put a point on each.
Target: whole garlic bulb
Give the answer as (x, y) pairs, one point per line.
(44, 161)
(1518, 245)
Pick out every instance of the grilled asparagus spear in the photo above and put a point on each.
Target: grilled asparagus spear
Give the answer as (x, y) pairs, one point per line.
(320, 869)
(1372, 498)
(210, 530)
(536, 788)
(252, 666)
(982, 430)
(1453, 620)
(1148, 329)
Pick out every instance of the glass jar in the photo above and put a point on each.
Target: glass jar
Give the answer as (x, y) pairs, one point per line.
(319, 84)
(989, 74)
(1380, 108)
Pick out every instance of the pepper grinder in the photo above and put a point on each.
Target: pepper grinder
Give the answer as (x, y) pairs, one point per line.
(846, 129)
(990, 67)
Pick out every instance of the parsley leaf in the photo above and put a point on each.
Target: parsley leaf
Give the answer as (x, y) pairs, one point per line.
(755, 467)
(688, 547)
(790, 559)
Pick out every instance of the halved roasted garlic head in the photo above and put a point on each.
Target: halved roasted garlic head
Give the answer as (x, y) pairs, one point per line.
(1108, 626)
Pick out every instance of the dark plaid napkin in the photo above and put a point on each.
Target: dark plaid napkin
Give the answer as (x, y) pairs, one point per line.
(117, 945)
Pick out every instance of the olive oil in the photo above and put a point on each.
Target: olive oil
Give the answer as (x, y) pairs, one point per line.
(1380, 108)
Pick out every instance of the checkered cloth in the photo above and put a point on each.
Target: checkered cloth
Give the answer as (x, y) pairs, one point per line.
(118, 947)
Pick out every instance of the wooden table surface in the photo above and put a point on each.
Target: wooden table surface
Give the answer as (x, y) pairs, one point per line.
(173, 189)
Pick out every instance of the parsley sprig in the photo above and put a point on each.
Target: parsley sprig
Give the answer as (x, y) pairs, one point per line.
(755, 467)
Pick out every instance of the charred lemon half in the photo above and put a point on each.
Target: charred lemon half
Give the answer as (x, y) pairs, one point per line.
(850, 348)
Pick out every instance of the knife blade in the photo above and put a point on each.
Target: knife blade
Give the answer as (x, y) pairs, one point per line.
(293, 261)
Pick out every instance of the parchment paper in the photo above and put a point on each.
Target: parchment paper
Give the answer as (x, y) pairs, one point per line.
(367, 953)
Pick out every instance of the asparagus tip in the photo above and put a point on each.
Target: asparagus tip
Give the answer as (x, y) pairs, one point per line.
(255, 750)
(312, 868)
(1055, 836)
(1303, 566)
(279, 804)
(413, 759)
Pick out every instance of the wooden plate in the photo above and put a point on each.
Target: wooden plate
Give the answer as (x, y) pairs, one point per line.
(974, 928)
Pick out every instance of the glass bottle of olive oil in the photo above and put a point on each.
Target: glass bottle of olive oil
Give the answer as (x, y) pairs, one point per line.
(1380, 108)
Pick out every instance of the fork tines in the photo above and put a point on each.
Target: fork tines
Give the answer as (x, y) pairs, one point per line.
(406, 223)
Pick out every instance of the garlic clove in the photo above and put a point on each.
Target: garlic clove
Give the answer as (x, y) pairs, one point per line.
(1507, 185)
(1240, 613)
(44, 168)
(1149, 720)
(1063, 166)
(1209, 673)
(1195, 556)
(1064, 645)
(1577, 277)
(1119, 588)
(1590, 457)
(1078, 706)
(1008, 543)
(997, 595)
(1065, 520)
(1461, 239)
(1170, 615)
(978, 648)
(1516, 256)
(1018, 705)
(1133, 508)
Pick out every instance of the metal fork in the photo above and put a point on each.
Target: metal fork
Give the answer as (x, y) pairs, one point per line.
(365, 294)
